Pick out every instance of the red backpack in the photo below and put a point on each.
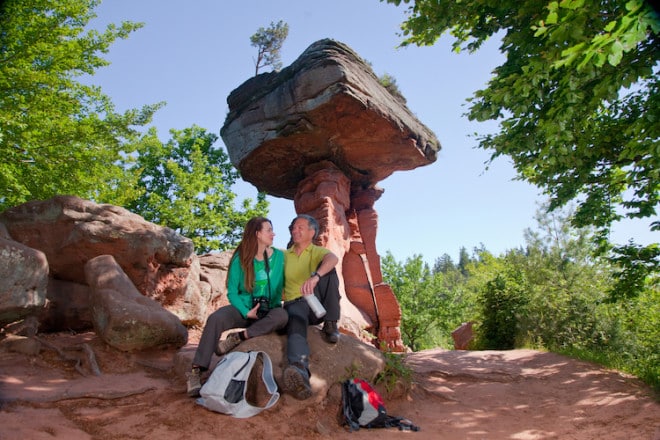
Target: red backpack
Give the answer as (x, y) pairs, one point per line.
(364, 407)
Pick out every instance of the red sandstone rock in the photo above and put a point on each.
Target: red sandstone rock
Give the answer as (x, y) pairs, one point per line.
(327, 105)
(71, 231)
(324, 132)
(463, 336)
(122, 317)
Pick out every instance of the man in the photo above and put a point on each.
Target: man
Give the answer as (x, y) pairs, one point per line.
(308, 270)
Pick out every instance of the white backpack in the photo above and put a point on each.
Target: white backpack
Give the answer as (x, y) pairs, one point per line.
(225, 389)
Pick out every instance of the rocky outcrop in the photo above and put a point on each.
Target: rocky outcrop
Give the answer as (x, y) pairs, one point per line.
(463, 335)
(323, 132)
(213, 278)
(123, 317)
(70, 231)
(325, 195)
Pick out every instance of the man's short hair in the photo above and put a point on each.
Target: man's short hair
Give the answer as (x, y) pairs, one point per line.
(311, 221)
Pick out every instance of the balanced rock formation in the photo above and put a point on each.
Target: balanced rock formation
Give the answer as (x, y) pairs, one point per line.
(323, 132)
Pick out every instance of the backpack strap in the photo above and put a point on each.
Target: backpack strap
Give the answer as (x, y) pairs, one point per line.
(246, 409)
(267, 377)
(401, 423)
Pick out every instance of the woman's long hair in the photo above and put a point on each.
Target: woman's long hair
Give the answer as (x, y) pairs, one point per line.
(247, 249)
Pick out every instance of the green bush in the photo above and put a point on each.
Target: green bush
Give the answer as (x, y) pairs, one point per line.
(501, 303)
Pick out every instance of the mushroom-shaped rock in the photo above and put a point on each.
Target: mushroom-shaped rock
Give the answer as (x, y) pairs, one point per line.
(328, 105)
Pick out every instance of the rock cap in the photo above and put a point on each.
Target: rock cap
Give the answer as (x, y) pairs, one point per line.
(327, 105)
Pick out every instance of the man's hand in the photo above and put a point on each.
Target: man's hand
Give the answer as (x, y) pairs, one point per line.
(252, 314)
(309, 285)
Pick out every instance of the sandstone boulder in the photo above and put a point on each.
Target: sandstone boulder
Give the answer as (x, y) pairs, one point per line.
(70, 231)
(124, 318)
(463, 335)
(23, 280)
(213, 272)
(323, 132)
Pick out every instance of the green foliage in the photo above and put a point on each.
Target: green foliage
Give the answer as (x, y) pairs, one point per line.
(641, 322)
(444, 264)
(502, 299)
(353, 370)
(637, 270)
(566, 284)
(396, 373)
(185, 184)
(576, 99)
(389, 82)
(621, 34)
(634, 345)
(57, 136)
(553, 294)
(269, 43)
(429, 310)
(463, 261)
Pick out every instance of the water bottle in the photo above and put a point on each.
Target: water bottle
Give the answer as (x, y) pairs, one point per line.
(315, 305)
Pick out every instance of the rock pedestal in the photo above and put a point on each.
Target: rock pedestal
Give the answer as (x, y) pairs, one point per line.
(323, 132)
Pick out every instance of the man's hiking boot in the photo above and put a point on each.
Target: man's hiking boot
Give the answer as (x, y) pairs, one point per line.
(330, 332)
(228, 344)
(296, 381)
(194, 382)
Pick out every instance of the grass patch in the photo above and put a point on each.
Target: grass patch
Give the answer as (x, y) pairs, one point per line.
(648, 371)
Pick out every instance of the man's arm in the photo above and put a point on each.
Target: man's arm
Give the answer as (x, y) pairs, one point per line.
(328, 263)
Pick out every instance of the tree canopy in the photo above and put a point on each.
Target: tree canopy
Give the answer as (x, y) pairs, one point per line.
(185, 184)
(60, 136)
(57, 135)
(576, 99)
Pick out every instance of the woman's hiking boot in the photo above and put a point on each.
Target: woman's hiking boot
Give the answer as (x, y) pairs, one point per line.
(228, 344)
(194, 382)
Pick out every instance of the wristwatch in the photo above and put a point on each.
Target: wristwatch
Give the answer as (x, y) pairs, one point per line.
(316, 274)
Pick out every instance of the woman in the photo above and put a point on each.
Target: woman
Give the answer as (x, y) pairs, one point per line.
(254, 289)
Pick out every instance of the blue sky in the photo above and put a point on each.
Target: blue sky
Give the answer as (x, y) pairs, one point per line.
(193, 54)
